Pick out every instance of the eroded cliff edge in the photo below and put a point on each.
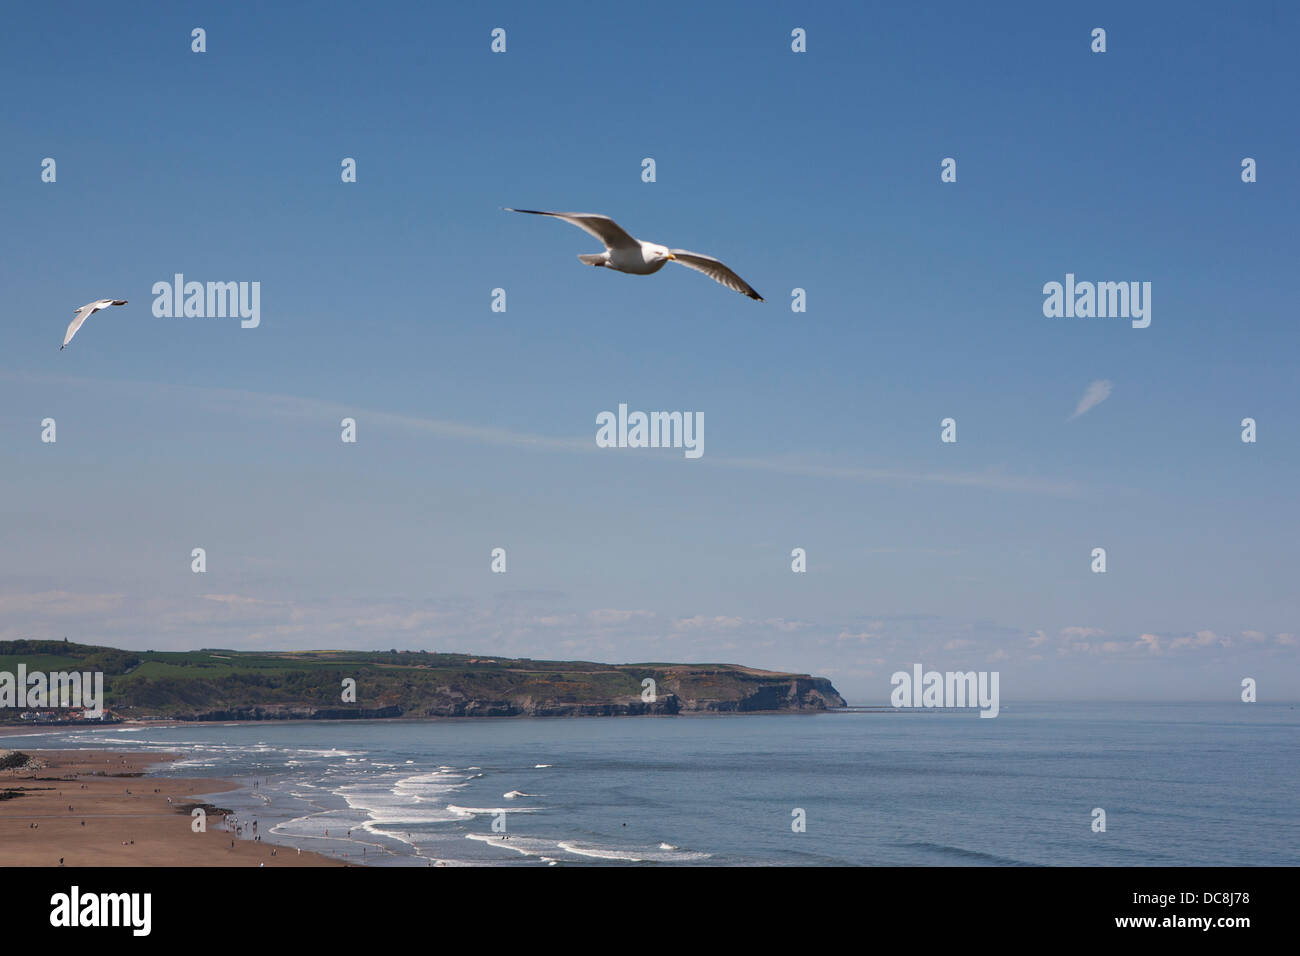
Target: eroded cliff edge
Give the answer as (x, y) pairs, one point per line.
(356, 685)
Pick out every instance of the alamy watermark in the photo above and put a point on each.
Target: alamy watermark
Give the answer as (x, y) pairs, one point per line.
(950, 689)
(129, 910)
(213, 300)
(654, 430)
(1101, 300)
(38, 690)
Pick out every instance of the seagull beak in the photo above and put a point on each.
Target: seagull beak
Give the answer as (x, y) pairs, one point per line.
(671, 256)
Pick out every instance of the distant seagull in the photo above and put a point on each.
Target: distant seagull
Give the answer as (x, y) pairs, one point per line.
(625, 254)
(85, 312)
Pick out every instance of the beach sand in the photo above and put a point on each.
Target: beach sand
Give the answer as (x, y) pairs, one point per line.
(92, 783)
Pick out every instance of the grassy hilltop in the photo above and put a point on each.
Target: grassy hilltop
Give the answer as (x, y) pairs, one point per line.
(212, 684)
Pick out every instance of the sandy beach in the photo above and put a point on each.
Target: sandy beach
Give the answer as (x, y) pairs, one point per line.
(97, 808)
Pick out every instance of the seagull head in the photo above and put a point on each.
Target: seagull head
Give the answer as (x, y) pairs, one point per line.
(661, 253)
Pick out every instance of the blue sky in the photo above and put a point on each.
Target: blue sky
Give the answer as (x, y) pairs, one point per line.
(476, 429)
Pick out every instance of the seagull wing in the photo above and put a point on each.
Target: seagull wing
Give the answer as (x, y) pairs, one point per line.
(83, 313)
(715, 270)
(602, 227)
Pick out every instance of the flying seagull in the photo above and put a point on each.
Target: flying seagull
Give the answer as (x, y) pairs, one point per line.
(625, 254)
(85, 312)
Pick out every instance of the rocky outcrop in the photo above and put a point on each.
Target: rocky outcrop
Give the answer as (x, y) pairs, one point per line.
(14, 760)
(291, 712)
(634, 707)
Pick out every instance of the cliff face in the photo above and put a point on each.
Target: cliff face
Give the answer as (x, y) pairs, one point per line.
(751, 692)
(220, 685)
(709, 692)
(288, 712)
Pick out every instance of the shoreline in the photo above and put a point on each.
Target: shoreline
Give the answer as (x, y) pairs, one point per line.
(105, 808)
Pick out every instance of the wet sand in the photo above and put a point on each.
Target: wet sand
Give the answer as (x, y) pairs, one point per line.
(127, 819)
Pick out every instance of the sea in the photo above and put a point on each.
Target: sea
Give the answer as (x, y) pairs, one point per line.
(1178, 784)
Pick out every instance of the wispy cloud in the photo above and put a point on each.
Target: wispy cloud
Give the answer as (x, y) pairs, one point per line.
(293, 408)
(1096, 393)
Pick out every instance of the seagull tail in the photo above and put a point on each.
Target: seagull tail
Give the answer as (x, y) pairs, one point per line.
(597, 259)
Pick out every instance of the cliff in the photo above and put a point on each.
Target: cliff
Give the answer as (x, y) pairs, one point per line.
(352, 685)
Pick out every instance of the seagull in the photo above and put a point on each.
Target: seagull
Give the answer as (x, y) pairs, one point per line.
(85, 312)
(625, 254)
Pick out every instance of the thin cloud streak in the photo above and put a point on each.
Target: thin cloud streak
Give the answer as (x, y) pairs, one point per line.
(307, 409)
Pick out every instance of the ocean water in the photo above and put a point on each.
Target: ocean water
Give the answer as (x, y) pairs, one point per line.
(1180, 784)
